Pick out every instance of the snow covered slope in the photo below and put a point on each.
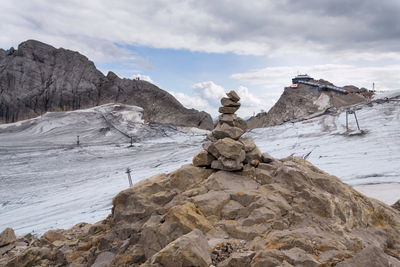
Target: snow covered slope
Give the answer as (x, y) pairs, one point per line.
(372, 158)
(46, 181)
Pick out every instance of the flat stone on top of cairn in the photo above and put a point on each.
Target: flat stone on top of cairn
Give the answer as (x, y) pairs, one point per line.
(226, 149)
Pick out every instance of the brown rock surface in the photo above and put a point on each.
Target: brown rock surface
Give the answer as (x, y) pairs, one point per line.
(305, 101)
(203, 159)
(7, 237)
(287, 212)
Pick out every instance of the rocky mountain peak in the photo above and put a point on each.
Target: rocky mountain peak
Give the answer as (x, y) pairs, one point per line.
(37, 78)
(300, 101)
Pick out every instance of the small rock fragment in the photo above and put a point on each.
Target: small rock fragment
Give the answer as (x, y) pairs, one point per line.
(203, 159)
(7, 237)
(233, 96)
(226, 102)
(228, 110)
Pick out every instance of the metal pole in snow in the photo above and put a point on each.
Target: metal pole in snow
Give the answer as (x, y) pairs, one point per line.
(77, 140)
(128, 171)
(131, 142)
(355, 116)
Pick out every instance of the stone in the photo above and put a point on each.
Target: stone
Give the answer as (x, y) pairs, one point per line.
(210, 147)
(104, 259)
(238, 259)
(232, 164)
(267, 158)
(240, 123)
(229, 148)
(226, 102)
(370, 256)
(224, 130)
(255, 154)
(228, 165)
(233, 96)
(203, 159)
(53, 235)
(7, 237)
(232, 210)
(6, 248)
(396, 205)
(191, 249)
(187, 217)
(228, 110)
(255, 162)
(37, 78)
(211, 203)
(248, 143)
(228, 119)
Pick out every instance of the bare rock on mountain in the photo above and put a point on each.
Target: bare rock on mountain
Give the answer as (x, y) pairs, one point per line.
(7, 237)
(304, 101)
(285, 213)
(396, 205)
(37, 78)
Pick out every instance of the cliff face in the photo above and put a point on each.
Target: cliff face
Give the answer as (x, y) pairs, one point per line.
(303, 101)
(37, 78)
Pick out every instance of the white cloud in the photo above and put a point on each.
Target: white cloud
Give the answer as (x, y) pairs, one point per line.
(274, 79)
(191, 101)
(207, 95)
(94, 27)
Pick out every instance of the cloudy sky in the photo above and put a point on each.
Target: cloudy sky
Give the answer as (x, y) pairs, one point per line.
(198, 49)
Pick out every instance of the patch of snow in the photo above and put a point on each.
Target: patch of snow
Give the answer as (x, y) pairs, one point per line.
(322, 102)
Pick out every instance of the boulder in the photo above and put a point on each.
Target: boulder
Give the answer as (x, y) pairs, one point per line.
(238, 259)
(267, 158)
(203, 159)
(248, 143)
(232, 164)
(7, 237)
(226, 164)
(104, 259)
(233, 96)
(370, 256)
(254, 154)
(210, 147)
(226, 102)
(228, 110)
(240, 123)
(191, 249)
(229, 148)
(396, 205)
(224, 130)
(228, 118)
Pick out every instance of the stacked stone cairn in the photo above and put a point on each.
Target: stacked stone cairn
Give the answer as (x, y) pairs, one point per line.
(225, 148)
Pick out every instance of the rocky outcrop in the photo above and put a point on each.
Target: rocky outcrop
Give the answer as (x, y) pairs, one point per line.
(396, 205)
(37, 78)
(225, 148)
(304, 101)
(283, 212)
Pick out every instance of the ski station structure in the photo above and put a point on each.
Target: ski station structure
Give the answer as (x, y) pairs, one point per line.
(307, 80)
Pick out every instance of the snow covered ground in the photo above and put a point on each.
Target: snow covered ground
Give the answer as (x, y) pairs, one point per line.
(47, 181)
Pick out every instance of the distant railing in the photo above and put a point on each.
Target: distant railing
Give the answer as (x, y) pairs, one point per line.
(325, 87)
